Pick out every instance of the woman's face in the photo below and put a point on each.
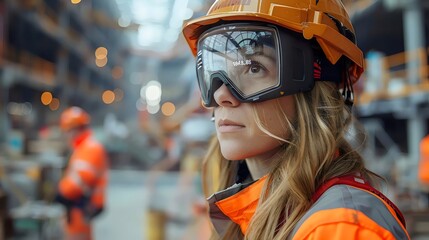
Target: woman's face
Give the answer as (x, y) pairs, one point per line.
(237, 130)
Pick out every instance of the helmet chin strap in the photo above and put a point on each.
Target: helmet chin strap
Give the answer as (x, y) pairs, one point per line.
(348, 93)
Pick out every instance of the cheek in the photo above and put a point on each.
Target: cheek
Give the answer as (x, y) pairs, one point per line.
(276, 120)
(289, 107)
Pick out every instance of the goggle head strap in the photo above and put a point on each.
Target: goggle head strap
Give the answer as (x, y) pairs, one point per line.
(324, 70)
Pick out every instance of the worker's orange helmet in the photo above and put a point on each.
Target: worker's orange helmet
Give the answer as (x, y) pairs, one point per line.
(231, 39)
(325, 20)
(74, 117)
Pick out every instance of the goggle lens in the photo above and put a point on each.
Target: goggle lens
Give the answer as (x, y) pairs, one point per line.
(246, 56)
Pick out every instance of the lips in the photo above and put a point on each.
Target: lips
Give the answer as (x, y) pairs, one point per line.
(226, 125)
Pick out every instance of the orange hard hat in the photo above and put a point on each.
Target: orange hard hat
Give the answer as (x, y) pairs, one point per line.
(325, 20)
(74, 117)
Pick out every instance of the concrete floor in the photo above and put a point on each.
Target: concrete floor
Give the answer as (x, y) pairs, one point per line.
(135, 197)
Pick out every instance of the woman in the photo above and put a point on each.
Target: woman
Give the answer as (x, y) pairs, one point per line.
(279, 76)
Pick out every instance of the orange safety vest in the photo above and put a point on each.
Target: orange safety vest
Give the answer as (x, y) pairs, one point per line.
(86, 176)
(423, 171)
(344, 208)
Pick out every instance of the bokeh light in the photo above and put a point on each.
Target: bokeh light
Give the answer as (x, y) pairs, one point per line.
(108, 96)
(117, 72)
(101, 62)
(55, 104)
(101, 53)
(153, 109)
(46, 98)
(168, 108)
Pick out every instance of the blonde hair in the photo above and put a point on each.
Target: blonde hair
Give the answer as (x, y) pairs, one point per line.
(307, 160)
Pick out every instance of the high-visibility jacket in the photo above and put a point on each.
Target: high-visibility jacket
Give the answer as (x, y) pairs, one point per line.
(423, 171)
(340, 211)
(84, 184)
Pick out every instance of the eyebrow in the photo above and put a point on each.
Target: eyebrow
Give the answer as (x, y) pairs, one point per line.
(260, 53)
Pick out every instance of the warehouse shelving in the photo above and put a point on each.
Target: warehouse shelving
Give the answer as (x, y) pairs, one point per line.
(49, 45)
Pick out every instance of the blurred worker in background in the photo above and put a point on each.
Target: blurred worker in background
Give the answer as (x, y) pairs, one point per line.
(423, 170)
(82, 188)
(278, 75)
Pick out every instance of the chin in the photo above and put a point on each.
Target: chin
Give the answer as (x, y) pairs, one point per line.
(233, 153)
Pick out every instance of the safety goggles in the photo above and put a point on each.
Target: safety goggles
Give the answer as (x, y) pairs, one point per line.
(256, 62)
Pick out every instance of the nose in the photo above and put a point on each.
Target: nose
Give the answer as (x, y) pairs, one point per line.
(224, 97)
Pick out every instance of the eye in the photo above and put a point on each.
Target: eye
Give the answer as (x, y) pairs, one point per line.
(255, 68)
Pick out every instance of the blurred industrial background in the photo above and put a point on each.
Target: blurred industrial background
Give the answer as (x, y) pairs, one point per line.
(126, 63)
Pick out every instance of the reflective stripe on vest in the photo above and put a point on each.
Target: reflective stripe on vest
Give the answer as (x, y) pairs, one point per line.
(77, 180)
(345, 196)
(82, 165)
(73, 173)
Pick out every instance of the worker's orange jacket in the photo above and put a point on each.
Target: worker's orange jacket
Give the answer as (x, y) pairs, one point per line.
(342, 210)
(84, 183)
(423, 171)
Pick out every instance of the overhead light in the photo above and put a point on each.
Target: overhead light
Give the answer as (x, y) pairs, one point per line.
(101, 62)
(153, 109)
(168, 108)
(101, 53)
(117, 72)
(124, 21)
(153, 93)
(108, 97)
(55, 104)
(46, 98)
